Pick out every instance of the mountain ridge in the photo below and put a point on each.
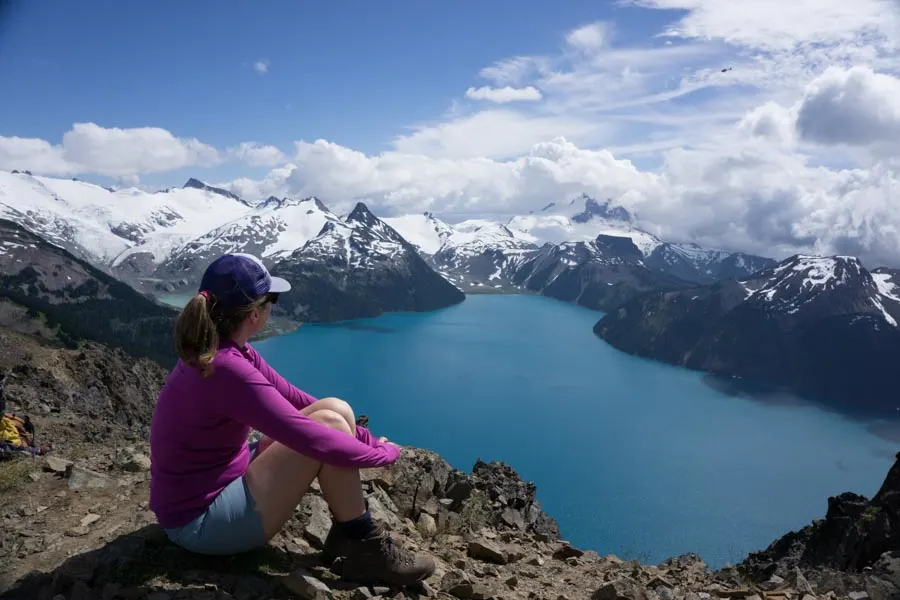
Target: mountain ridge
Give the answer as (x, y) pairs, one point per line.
(816, 326)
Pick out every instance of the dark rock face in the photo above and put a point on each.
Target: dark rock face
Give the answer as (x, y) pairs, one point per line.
(592, 209)
(855, 534)
(197, 184)
(702, 266)
(83, 301)
(601, 274)
(360, 268)
(493, 496)
(803, 326)
(513, 502)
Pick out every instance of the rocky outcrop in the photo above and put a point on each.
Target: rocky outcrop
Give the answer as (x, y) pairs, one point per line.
(83, 531)
(857, 535)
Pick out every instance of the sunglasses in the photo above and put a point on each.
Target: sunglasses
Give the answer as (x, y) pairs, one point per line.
(272, 298)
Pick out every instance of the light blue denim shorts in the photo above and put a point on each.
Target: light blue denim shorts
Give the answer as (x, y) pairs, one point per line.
(230, 524)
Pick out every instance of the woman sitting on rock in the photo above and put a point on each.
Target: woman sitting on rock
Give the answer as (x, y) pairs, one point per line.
(213, 492)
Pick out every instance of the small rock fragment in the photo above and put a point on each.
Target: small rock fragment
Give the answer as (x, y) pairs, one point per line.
(487, 551)
(56, 464)
(426, 525)
(306, 586)
(567, 551)
(623, 588)
(81, 478)
(360, 593)
(89, 519)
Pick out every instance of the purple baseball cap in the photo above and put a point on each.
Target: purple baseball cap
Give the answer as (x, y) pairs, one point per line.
(239, 279)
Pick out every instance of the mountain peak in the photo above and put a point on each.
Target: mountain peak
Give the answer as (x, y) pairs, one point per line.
(274, 201)
(622, 247)
(362, 215)
(592, 209)
(199, 185)
(820, 271)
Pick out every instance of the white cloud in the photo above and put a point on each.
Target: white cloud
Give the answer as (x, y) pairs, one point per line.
(856, 106)
(504, 94)
(493, 134)
(89, 148)
(778, 25)
(770, 121)
(124, 153)
(589, 38)
(130, 180)
(32, 154)
(513, 70)
(114, 151)
(261, 66)
(258, 155)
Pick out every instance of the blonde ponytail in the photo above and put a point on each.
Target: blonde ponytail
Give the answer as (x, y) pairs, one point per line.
(196, 338)
(200, 326)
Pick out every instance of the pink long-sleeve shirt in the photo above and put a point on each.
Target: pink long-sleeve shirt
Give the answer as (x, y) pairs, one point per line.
(198, 436)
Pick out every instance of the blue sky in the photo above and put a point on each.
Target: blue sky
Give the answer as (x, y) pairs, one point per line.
(750, 125)
(355, 73)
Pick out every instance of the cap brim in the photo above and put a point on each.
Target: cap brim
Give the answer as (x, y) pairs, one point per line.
(279, 286)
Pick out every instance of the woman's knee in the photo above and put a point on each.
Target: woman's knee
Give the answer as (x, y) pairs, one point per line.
(341, 407)
(331, 418)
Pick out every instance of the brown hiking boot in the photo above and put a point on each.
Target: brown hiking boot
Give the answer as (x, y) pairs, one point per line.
(335, 545)
(378, 558)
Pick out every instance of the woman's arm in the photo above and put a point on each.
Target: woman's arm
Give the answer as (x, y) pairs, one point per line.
(245, 395)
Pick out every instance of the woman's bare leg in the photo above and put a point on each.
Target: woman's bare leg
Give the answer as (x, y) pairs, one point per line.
(279, 477)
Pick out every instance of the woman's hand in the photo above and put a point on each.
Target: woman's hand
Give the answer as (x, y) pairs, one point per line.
(384, 440)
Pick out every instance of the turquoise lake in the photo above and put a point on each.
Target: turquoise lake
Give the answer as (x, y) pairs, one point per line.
(632, 457)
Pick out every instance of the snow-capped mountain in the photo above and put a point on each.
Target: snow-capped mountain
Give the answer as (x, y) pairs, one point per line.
(479, 254)
(704, 265)
(598, 274)
(888, 282)
(199, 185)
(360, 267)
(824, 327)
(558, 228)
(822, 286)
(105, 226)
(425, 231)
(272, 230)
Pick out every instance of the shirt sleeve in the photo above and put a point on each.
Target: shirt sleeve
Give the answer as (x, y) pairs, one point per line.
(245, 395)
(292, 393)
(365, 436)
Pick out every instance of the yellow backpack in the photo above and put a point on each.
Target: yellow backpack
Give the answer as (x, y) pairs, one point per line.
(16, 430)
